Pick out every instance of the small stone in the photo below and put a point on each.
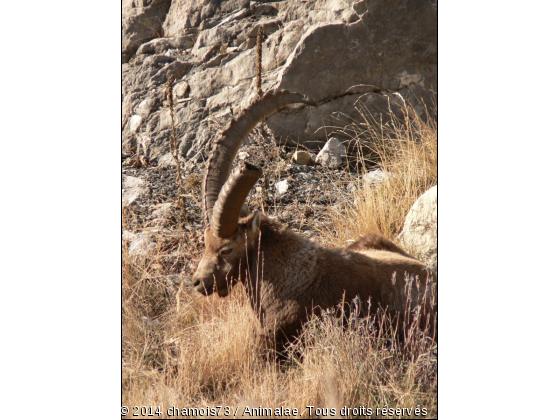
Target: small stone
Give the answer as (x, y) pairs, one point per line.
(166, 160)
(135, 122)
(127, 235)
(282, 187)
(145, 142)
(141, 244)
(145, 107)
(163, 211)
(264, 9)
(132, 189)
(377, 177)
(333, 154)
(301, 157)
(181, 89)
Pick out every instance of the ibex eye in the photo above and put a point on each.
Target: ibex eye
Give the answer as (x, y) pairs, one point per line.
(225, 251)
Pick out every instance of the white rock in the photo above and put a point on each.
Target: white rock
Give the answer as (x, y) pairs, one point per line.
(239, 15)
(282, 187)
(163, 211)
(181, 89)
(145, 142)
(333, 154)
(135, 122)
(141, 244)
(419, 233)
(166, 160)
(377, 177)
(127, 235)
(145, 107)
(132, 189)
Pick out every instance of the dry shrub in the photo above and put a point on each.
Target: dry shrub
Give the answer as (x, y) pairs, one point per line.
(405, 148)
(218, 344)
(185, 351)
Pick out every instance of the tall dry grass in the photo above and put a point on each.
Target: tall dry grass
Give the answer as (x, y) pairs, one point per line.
(184, 350)
(203, 352)
(405, 148)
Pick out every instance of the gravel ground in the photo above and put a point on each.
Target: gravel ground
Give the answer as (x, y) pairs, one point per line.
(151, 224)
(311, 190)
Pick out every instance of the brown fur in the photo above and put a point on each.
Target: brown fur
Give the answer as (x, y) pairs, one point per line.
(376, 241)
(288, 277)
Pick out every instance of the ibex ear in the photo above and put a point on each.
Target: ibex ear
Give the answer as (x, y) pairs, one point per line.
(244, 210)
(255, 223)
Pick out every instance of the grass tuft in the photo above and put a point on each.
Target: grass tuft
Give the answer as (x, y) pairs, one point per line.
(405, 149)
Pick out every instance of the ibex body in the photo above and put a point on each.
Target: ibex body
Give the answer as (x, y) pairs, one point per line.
(288, 277)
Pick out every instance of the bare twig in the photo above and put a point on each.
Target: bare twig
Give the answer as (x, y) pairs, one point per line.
(260, 38)
(175, 154)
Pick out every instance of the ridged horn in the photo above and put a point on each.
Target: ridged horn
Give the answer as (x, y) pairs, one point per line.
(226, 146)
(232, 196)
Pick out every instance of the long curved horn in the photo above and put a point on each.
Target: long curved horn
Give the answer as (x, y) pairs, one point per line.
(229, 142)
(232, 196)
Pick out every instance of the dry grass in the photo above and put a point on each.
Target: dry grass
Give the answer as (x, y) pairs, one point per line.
(187, 351)
(204, 352)
(404, 147)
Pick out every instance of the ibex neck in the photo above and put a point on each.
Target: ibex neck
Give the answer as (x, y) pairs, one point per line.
(283, 270)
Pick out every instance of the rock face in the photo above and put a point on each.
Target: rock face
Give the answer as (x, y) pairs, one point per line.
(141, 22)
(337, 52)
(420, 228)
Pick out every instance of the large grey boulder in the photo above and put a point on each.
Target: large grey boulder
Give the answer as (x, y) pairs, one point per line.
(419, 233)
(389, 47)
(337, 52)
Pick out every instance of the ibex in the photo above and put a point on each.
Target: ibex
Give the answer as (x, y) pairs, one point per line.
(287, 277)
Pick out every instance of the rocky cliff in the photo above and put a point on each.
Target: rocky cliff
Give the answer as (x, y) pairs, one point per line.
(337, 52)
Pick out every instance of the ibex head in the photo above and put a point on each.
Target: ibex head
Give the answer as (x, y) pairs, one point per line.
(230, 232)
(223, 259)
